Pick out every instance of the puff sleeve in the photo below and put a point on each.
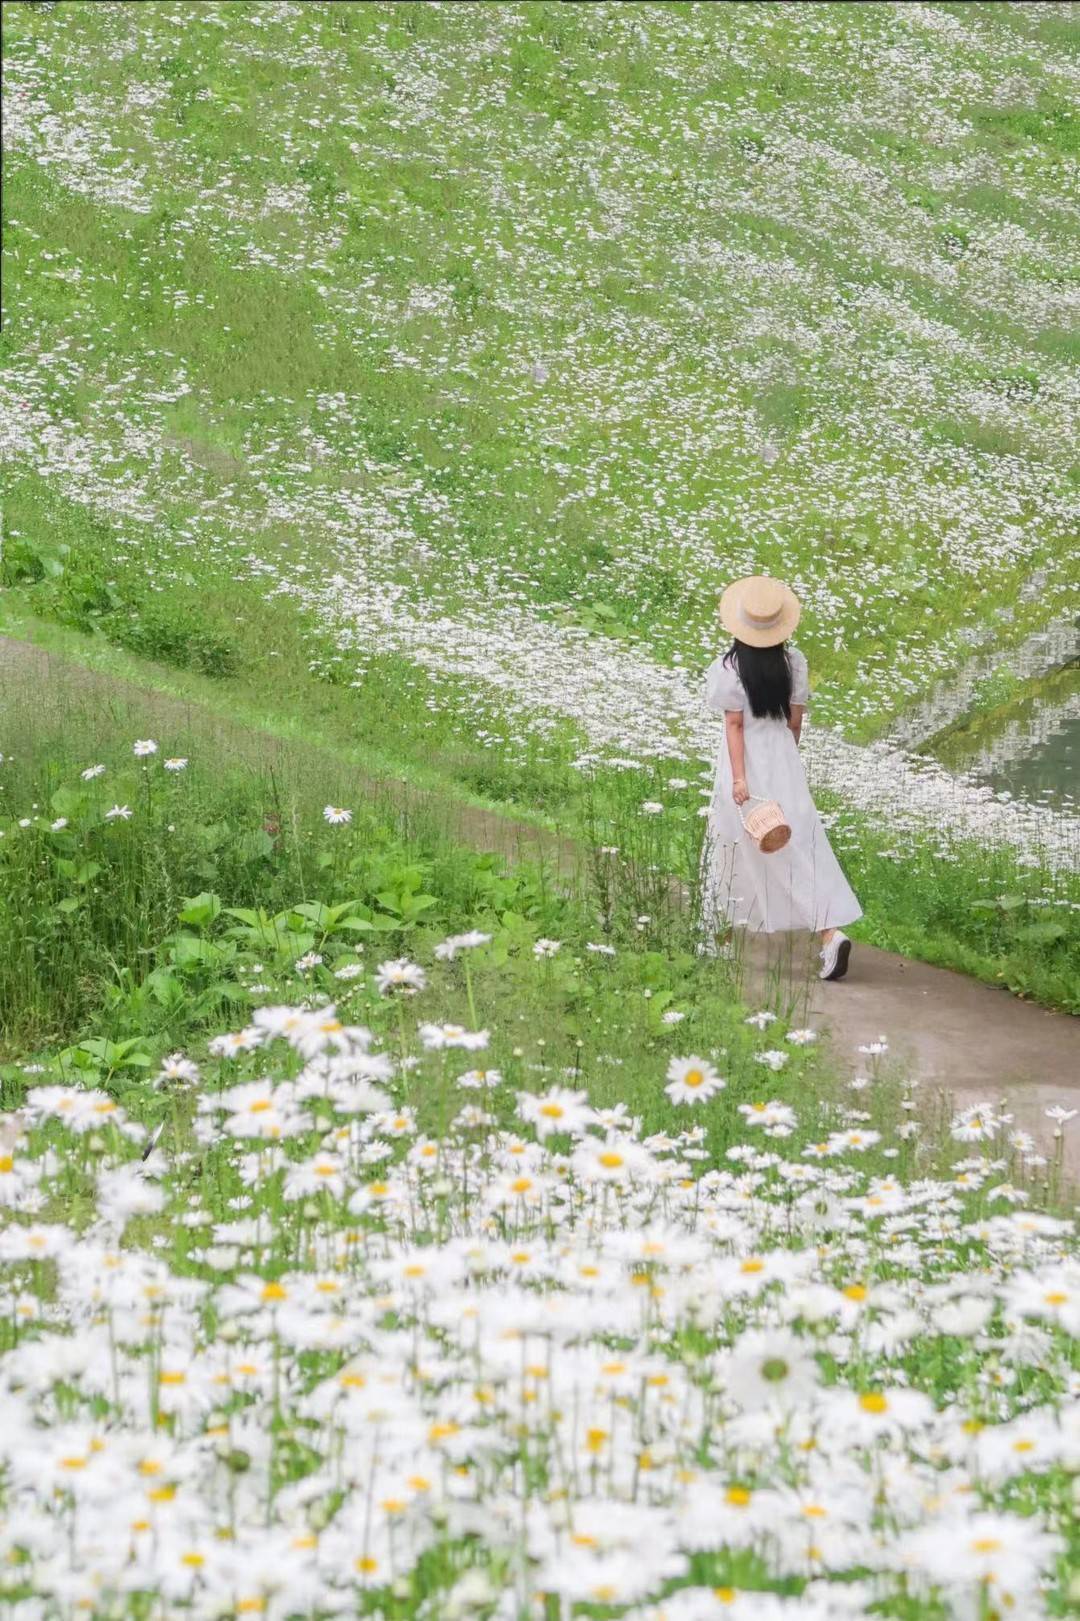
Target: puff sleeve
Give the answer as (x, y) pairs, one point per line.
(800, 677)
(723, 689)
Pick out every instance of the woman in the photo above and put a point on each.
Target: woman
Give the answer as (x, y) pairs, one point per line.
(760, 687)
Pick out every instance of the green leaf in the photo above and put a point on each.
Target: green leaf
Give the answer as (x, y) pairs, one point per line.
(165, 987)
(1010, 903)
(313, 911)
(188, 951)
(70, 903)
(200, 910)
(255, 845)
(88, 871)
(67, 801)
(1044, 933)
(228, 990)
(411, 904)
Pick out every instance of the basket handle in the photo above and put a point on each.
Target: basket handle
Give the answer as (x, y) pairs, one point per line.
(739, 808)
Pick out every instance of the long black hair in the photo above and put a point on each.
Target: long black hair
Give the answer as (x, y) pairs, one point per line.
(765, 673)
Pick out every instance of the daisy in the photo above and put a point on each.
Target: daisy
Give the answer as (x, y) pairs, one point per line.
(91, 772)
(619, 1159)
(1007, 1551)
(692, 1080)
(760, 1020)
(323, 1171)
(178, 1068)
(337, 815)
(143, 746)
(772, 1113)
(602, 950)
(546, 948)
(438, 1036)
(448, 949)
(975, 1124)
(122, 811)
(400, 975)
(480, 1078)
(841, 1141)
(558, 1109)
(672, 1016)
(176, 763)
(773, 1058)
(769, 1368)
(801, 1038)
(61, 822)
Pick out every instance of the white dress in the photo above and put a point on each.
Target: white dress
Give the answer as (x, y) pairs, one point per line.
(798, 887)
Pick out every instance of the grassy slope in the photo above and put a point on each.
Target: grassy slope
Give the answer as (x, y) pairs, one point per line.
(945, 913)
(314, 272)
(288, 322)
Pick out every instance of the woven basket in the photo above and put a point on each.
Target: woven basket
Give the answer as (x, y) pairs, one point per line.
(766, 825)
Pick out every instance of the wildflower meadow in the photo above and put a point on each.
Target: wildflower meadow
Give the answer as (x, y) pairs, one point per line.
(407, 1209)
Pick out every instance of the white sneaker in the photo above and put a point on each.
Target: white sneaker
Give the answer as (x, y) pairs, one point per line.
(834, 957)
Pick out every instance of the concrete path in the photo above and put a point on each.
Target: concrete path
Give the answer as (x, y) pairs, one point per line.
(962, 1039)
(972, 1042)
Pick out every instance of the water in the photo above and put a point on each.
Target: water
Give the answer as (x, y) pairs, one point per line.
(947, 709)
(1051, 770)
(1028, 746)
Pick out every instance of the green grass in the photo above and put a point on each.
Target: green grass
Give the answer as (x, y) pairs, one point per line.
(945, 910)
(556, 193)
(123, 939)
(254, 398)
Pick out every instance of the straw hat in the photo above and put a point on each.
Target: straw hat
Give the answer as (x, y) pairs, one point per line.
(759, 610)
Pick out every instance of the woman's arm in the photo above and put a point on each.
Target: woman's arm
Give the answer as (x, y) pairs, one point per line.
(733, 727)
(795, 722)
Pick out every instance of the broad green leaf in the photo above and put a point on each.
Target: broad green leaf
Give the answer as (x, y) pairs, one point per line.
(1044, 933)
(200, 910)
(255, 845)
